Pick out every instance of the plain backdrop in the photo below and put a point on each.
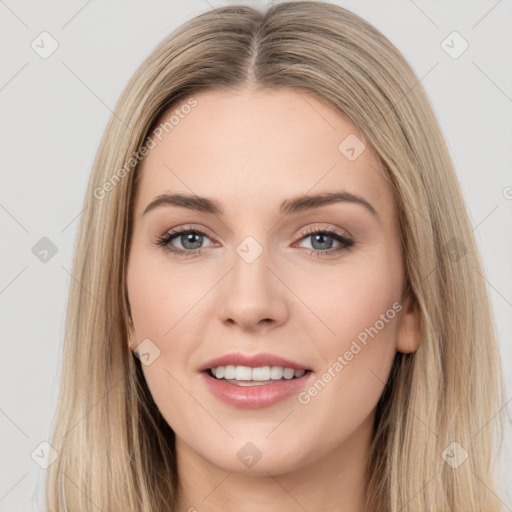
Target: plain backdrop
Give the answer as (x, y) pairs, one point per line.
(53, 112)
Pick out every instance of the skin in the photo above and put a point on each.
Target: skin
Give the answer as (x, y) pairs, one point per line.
(251, 150)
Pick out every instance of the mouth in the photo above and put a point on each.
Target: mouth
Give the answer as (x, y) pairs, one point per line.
(255, 376)
(254, 381)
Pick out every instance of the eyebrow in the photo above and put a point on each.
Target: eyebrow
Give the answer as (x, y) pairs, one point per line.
(289, 206)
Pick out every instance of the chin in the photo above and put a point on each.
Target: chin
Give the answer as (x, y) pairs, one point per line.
(256, 456)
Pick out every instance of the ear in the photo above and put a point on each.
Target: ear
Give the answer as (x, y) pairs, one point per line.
(408, 338)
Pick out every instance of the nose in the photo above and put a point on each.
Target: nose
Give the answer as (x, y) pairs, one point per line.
(253, 295)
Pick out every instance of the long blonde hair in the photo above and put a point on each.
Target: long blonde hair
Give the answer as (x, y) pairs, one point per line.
(115, 450)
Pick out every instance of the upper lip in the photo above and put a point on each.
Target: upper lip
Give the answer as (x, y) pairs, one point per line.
(252, 360)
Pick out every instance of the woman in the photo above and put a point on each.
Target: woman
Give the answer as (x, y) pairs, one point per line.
(277, 302)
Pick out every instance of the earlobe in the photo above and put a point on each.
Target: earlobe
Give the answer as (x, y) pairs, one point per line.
(408, 338)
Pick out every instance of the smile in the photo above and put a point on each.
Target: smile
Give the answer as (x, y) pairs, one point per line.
(257, 376)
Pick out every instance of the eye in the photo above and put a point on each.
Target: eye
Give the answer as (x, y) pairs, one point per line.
(189, 238)
(322, 240)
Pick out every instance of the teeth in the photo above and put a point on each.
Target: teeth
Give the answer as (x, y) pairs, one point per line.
(229, 372)
(243, 373)
(261, 373)
(288, 373)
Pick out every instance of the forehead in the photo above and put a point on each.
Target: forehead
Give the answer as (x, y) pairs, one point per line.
(246, 147)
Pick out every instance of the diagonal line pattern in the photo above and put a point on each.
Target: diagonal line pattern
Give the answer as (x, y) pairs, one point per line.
(76, 14)
(14, 218)
(302, 96)
(73, 219)
(217, 486)
(13, 279)
(14, 486)
(13, 423)
(280, 423)
(483, 483)
(492, 81)
(14, 76)
(499, 411)
(490, 284)
(405, 505)
(82, 286)
(486, 14)
(214, 8)
(424, 14)
(114, 114)
(287, 492)
(492, 211)
(84, 493)
(13, 13)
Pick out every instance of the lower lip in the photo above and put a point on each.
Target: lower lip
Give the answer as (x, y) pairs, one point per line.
(258, 396)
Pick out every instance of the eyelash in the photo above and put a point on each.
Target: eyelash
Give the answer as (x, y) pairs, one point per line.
(164, 241)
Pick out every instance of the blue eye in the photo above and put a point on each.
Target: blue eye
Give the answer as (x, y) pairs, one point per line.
(191, 241)
(323, 239)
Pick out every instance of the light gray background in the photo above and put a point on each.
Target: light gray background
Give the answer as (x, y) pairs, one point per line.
(53, 114)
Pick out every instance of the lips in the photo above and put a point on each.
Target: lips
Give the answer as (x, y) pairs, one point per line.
(255, 395)
(252, 360)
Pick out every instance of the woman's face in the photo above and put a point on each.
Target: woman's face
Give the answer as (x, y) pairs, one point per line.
(266, 271)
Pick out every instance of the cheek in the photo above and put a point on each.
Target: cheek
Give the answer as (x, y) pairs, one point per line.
(158, 297)
(359, 309)
(165, 304)
(352, 298)
(363, 344)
